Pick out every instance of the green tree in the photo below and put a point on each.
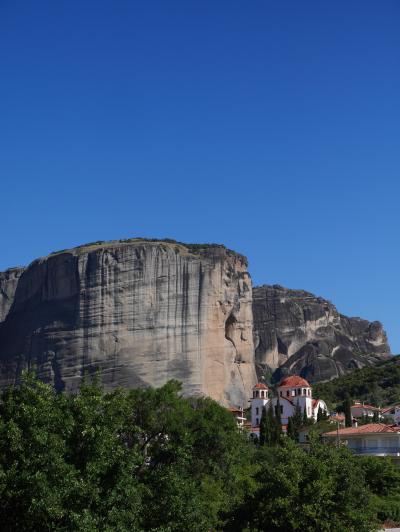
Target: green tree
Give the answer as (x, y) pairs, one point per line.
(36, 479)
(383, 480)
(321, 415)
(323, 490)
(347, 412)
(297, 421)
(290, 430)
(278, 423)
(305, 417)
(264, 428)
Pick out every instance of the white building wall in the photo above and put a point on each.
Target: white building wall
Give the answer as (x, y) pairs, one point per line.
(257, 405)
(287, 409)
(397, 415)
(320, 404)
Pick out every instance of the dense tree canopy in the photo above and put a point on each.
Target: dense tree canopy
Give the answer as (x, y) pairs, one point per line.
(152, 460)
(323, 490)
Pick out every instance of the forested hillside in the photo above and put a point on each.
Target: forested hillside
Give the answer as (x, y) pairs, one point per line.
(379, 385)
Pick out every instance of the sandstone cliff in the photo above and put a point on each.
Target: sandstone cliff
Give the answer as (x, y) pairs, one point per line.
(140, 312)
(298, 333)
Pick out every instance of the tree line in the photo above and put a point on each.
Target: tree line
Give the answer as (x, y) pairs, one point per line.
(151, 460)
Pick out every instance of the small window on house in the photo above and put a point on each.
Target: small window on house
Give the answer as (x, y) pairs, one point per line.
(281, 393)
(257, 411)
(287, 393)
(298, 391)
(304, 391)
(257, 394)
(257, 421)
(281, 409)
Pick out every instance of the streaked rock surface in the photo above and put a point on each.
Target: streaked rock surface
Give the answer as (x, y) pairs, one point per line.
(140, 312)
(296, 332)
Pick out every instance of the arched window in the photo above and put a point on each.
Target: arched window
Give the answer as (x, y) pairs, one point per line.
(304, 391)
(257, 393)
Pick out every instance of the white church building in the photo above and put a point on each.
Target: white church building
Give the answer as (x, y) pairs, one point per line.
(292, 391)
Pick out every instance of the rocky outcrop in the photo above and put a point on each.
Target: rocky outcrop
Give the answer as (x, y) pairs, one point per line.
(8, 284)
(296, 332)
(140, 312)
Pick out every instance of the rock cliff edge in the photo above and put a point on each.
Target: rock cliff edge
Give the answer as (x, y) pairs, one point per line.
(140, 312)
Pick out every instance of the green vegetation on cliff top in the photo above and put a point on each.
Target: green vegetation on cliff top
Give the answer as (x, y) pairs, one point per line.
(193, 249)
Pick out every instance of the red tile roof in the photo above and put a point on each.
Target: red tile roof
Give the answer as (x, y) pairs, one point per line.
(389, 408)
(371, 428)
(338, 417)
(293, 381)
(260, 385)
(368, 407)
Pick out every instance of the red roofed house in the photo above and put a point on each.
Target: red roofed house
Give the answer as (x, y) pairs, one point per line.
(238, 414)
(391, 413)
(374, 439)
(292, 391)
(360, 410)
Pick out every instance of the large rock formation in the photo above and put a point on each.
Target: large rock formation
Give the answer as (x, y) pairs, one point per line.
(296, 332)
(140, 312)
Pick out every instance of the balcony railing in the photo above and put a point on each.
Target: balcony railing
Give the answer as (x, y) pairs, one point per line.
(394, 451)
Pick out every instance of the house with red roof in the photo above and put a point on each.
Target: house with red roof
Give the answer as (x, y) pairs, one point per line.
(391, 414)
(373, 439)
(292, 392)
(238, 414)
(364, 410)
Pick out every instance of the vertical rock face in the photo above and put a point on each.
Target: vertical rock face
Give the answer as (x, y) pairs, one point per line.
(140, 312)
(297, 332)
(8, 284)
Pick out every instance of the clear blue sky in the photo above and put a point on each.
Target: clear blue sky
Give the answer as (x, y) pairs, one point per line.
(271, 127)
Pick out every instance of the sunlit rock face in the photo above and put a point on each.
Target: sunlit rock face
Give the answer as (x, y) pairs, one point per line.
(139, 312)
(296, 332)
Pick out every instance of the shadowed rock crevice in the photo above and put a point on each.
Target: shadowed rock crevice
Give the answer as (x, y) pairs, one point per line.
(230, 329)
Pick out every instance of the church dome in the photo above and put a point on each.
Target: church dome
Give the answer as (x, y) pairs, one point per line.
(260, 386)
(293, 381)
